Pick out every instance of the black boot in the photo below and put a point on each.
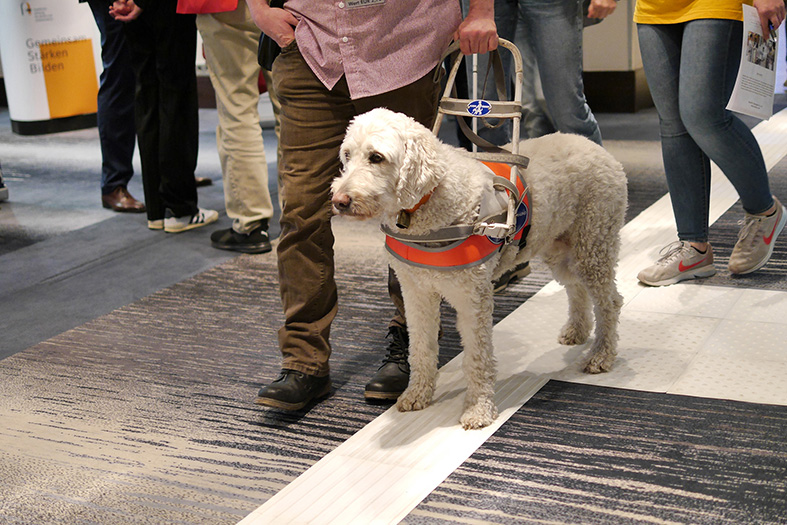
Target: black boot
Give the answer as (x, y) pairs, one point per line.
(293, 390)
(392, 377)
(256, 241)
(510, 276)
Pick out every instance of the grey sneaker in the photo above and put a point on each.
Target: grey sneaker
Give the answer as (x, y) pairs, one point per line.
(189, 222)
(679, 261)
(756, 239)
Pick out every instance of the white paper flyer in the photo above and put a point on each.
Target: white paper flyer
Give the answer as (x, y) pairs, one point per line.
(754, 87)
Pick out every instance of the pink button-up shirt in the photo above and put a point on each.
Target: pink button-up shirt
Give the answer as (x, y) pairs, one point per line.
(379, 45)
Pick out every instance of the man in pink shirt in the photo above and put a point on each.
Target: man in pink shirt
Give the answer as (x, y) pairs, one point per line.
(339, 59)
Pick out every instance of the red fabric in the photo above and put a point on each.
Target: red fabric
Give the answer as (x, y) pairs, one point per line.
(471, 250)
(206, 6)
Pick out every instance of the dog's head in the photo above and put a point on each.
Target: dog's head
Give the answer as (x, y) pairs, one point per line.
(389, 163)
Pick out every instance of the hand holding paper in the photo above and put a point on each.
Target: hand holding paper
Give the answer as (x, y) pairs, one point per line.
(754, 87)
(771, 14)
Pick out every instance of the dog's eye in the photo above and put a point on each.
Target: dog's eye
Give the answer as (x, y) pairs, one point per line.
(376, 158)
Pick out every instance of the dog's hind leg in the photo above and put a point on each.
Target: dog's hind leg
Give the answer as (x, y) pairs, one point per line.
(599, 279)
(580, 321)
(607, 304)
(577, 329)
(474, 322)
(422, 309)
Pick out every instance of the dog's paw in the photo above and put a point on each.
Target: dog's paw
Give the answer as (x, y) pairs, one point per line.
(413, 400)
(599, 362)
(571, 334)
(480, 415)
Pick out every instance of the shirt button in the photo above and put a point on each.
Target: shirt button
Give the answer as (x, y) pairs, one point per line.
(341, 5)
(345, 39)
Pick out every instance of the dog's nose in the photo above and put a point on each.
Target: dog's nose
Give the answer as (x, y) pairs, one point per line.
(341, 202)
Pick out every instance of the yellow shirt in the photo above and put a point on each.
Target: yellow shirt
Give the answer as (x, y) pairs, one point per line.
(677, 11)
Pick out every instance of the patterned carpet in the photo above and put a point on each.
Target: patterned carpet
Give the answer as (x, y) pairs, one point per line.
(581, 454)
(145, 415)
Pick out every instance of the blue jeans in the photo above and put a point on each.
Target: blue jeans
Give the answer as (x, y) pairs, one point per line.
(691, 70)
(554, 31)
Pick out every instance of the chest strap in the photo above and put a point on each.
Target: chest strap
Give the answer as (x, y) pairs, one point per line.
(467, 245)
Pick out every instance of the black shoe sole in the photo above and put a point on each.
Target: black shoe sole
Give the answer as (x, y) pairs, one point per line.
(283, 405)
(247, 248)
(371, 395)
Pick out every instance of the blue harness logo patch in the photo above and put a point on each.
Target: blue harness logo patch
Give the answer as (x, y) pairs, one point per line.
(479, 108)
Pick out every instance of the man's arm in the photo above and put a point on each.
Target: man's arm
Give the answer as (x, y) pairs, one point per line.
(278, 24)
(477, 34)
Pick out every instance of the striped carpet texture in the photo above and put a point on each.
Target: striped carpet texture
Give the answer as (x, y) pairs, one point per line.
(146, 415)
(581, 454)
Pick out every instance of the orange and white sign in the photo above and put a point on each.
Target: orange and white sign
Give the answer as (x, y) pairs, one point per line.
(51, 56)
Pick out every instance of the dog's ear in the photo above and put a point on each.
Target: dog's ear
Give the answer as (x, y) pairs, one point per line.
(420, 168)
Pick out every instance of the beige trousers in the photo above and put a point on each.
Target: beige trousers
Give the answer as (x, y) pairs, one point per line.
(230, 41)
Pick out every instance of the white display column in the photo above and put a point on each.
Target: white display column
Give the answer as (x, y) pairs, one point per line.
(51, 55)
(614, 79)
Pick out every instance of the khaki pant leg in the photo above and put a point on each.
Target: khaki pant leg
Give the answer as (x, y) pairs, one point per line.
(231, 55)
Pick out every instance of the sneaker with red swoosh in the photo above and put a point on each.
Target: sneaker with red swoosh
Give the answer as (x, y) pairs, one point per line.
(679, 261)
(756, 240)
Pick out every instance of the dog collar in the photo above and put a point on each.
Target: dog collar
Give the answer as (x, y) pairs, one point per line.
(403, 218)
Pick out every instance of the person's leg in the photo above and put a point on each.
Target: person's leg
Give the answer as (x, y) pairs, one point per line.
(176, 47)
(555, 32)
(141, 39)
(115, 102)
(686, 167)
(706, 83)
(313, 121)
(535, 117)
(230, 41)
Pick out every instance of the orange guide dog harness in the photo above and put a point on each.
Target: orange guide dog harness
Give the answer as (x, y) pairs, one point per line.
(467, 245)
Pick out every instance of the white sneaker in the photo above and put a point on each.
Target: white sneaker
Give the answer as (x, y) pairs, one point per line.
(756, 239)
(189, 222)
(156, 224)
(679, 261)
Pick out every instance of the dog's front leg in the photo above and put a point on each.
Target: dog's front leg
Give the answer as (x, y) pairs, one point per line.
(474, 322)
(422, 309)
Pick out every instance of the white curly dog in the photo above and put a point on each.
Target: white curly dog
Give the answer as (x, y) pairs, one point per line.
(579, 198)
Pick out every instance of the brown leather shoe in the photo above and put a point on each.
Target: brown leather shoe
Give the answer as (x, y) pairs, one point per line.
(121, 200)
